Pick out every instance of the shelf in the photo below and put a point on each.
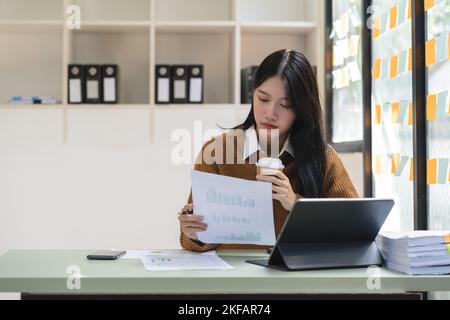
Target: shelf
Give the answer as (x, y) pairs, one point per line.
(278, 27)
(30, 106)
(107, 106)
(114, 26)
(195, 106)
(114, 10)
(204, 27)
(31, 10)
(24, 26)
(193, 10)
(130, 51)
(274, 10)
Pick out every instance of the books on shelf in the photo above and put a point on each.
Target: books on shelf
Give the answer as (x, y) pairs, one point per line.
(32, 100)
(416, 252)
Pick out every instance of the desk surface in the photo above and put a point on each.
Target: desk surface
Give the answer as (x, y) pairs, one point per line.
(45, 271)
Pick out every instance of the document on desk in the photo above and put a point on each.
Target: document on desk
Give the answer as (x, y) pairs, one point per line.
(236, 211)
(172, 260)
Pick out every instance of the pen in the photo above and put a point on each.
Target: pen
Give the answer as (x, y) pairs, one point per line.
(186, 212)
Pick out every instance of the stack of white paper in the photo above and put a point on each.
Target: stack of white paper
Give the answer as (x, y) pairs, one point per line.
(172, 260)
(416, 252)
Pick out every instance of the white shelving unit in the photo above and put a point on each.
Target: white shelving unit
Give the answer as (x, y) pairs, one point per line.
(62, 165)
(224, 35)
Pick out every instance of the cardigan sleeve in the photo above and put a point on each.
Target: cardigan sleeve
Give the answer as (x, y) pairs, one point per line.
(203, 163)
(338, 183)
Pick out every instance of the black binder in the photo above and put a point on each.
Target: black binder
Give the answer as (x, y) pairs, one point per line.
(195, 78)
(179, 84)
(247, 82)
(162, 85)
(92, 84)
(75, 83)
(329, 234)
(109, 74)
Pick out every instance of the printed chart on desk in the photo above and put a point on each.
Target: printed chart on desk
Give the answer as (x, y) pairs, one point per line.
(236, 211)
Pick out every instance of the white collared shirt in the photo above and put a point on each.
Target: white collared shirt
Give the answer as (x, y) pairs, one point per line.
(252, 145)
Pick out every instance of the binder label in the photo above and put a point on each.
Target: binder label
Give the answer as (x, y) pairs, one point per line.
(75, 90)
(195, 90)
(163, 90)
(109, 85)
(92, 89)
(180, 89)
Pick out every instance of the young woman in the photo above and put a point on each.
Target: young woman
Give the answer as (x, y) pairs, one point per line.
(285, 105)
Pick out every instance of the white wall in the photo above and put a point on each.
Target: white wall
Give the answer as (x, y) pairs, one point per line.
(354, 164)
(112, 185)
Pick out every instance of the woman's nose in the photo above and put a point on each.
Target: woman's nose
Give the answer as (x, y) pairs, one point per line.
(271, 112)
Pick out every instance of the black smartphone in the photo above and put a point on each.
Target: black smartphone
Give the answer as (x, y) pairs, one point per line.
(106, 255)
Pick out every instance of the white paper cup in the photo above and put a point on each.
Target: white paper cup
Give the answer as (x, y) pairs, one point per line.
(269, 166)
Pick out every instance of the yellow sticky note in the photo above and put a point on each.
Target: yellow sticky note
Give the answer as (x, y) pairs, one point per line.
(431, 171)
(410, 114)
(410, 59)
(430, 52)
(395, 111)
(409, 9)
(428, 4)
(411, 170)
(394, 67)
(377, 69)
(449, 45)
(431, 107)
(378, 114)
(395, 162)
(393, 17)
(378, 163)
(376, 27)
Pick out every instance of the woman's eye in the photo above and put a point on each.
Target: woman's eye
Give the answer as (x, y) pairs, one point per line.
(286, 106)
(263, 99)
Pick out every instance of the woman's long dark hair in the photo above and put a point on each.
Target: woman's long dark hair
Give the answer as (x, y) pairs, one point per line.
(307, 132)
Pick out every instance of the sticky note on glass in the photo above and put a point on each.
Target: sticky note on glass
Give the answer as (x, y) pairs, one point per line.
(428, 4)
(402, 165)
(385, 68)
(378, 114)
(410, 114)
(441, 43)
(395, 112)
(338, 59)
(354, 71)
(402, 12)
(410, 59)
(342, 47)
(431, 171)
(394, 67)
(402, 62)
(430, 52)
(376, 28)
(431, 107)
(353, 45)
(393, 13)
(377, 69)
(403, 110)
(441, 104)
(395, 162)
(378, 163)
(442, 170)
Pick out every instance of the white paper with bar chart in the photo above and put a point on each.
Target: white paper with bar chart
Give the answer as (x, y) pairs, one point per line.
(236, 211)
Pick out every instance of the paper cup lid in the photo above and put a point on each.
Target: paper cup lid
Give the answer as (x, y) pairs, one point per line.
(270, 163)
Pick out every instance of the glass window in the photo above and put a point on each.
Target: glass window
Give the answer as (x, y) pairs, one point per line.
(392, 134)
(347, 110)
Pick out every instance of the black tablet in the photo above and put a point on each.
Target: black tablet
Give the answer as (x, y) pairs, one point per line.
(329, 233)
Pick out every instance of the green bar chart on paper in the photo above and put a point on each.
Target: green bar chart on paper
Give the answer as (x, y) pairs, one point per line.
(236, 211)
